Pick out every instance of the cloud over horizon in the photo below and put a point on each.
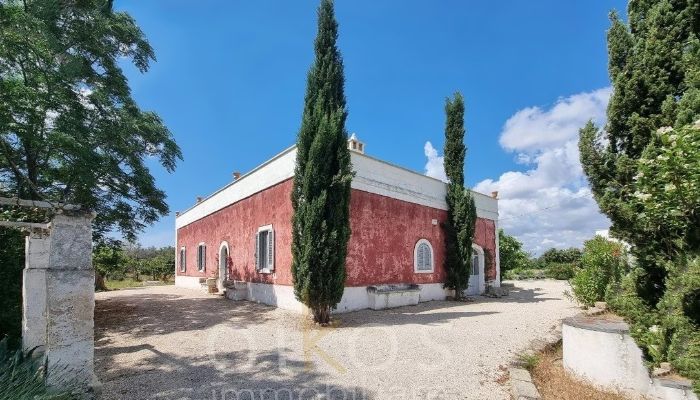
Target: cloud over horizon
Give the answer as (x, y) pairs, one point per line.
(550, 203)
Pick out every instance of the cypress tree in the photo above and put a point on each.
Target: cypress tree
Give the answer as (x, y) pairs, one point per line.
(461, 211)
(321, 192)
(654, 66)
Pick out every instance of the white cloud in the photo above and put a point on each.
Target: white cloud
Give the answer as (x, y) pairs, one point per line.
(549, 204)
(435, 167)
(533, 129)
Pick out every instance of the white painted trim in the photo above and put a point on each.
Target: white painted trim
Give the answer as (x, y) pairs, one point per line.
(221, 279)
(371, 175)
(278, 169)
(415, 258)
(203, 267)
(188, 282)
(497, 283)
(266, 228)
(354, 297)
(181, 258)
(482, 260)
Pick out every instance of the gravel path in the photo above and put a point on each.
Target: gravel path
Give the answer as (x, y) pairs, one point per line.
(171, 343)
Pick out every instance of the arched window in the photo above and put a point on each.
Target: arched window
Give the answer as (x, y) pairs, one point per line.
(423, 260)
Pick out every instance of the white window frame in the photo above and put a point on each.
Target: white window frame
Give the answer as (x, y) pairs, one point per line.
(183, 259)
(202, 257)
(270, 267)
(415, 257)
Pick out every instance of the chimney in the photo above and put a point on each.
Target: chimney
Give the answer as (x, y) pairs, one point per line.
(199, 199)
(355, 145)
(236, 175)
(177, 213)
(494, 194)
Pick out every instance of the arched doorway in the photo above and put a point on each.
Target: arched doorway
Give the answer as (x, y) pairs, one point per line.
(223, 266)
(477, 282)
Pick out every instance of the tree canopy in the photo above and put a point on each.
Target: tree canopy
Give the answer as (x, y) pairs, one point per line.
(643, 170)
(70, 130)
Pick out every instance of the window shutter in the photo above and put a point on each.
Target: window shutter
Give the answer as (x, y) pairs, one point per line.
(420, 256)
(271, 249)
(257, 251)
(204, 257)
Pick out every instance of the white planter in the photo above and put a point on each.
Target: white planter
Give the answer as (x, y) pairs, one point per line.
(603, 353)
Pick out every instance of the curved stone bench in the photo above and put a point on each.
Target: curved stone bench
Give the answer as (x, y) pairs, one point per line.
(601, 351)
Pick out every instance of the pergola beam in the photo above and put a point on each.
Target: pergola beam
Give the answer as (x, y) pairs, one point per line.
(8, 201)
(25, 225)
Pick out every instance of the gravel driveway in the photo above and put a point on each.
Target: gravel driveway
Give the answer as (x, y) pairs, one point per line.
(171, 343)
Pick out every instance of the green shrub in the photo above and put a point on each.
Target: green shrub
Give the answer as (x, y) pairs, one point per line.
(512, 256)
(602, 265)
(528, 361)
(562, 271)
(520, 274)
(11, 266)
(22, 377)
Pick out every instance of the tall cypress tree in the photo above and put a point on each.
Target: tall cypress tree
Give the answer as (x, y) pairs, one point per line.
(654, 66)
(321, 193)
(461, 211)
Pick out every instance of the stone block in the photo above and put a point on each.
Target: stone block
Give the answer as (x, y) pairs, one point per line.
(520, 374)
(392, 296)
(524, 390)
(71, 242)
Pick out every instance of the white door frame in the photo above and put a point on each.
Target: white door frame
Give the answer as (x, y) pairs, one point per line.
(223, 265)
(482, 259)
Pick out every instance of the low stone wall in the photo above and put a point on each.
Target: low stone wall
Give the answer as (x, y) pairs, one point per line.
(602, 352)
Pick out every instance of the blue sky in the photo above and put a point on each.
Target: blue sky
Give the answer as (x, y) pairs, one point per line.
(230, 78)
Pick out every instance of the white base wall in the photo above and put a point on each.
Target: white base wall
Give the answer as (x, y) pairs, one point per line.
(188, 282)
(612, 360)
(354, 298)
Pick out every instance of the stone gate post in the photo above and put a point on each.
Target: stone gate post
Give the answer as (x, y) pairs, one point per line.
(59, 299)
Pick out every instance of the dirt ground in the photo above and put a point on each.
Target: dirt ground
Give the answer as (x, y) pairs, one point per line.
(171, 343)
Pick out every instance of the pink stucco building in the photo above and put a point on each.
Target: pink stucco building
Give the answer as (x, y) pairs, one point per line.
(242, 233)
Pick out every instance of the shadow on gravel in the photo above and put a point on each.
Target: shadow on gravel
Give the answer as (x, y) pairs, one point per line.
(521, 295)
(428, 313)
(142, 315)
(232, 375)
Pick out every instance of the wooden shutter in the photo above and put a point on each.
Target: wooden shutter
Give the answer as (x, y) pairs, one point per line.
(257, 251)
(428, 257)
(204, 257)
(420, 256)
(271, 249)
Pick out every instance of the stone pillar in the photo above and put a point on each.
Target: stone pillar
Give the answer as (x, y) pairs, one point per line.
(36, 259)
(59, 299)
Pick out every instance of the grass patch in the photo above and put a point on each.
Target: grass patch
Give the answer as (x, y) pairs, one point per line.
(123, 284)
(554, 382)
(528, 361)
